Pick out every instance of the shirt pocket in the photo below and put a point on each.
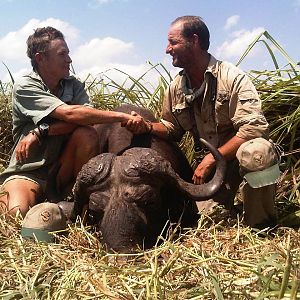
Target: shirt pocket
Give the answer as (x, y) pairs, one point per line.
(222, 108)
(184, 118)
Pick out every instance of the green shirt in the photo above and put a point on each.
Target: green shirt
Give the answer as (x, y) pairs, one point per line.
(32, 102)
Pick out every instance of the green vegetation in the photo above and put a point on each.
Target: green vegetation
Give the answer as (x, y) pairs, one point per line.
(220, 259)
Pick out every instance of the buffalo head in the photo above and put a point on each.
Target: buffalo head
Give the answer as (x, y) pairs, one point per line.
(133, 196)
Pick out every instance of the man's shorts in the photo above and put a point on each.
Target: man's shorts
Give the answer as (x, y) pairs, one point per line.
(37, 176)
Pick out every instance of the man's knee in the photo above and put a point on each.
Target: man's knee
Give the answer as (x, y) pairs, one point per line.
(85, 132)
(19, 196)
(86, 139)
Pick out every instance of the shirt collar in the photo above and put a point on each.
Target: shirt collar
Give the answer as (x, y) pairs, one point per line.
(35, 75)
(213, 66)
(191, 94)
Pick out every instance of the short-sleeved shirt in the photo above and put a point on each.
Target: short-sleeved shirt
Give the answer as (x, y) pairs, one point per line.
(32, 102)
(229, 105)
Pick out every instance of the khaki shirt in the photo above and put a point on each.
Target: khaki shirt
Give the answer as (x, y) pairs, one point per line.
(32, 102)
(228, 106)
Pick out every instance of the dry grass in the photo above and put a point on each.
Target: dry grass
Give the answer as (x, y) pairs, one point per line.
(6, 141)
(214, 261)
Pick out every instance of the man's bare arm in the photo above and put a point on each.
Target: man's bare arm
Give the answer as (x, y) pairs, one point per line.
(228, 150)
(83, 115)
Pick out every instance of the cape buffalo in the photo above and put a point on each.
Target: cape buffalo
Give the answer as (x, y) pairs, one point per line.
(138, 184)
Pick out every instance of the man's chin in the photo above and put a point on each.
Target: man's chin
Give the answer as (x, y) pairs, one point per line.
(67, 74)
(176, 64)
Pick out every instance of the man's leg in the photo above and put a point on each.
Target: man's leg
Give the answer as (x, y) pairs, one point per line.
(259, 206)
(20, 195)
(82, 145)
(258, 160)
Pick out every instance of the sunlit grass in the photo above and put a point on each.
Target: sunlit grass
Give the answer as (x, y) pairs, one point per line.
(213, 261)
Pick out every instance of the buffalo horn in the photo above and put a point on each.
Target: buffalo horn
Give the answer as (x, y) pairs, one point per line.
(160, 167)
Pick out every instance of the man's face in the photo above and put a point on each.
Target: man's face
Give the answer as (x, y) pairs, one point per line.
(179, 47)
(56, 61)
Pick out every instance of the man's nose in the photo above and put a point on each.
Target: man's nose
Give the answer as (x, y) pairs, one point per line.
(168, 49)
(69, 59)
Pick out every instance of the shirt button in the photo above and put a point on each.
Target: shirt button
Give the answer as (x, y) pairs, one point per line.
(210, 137)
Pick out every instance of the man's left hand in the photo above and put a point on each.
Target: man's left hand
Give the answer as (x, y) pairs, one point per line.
(204, 169)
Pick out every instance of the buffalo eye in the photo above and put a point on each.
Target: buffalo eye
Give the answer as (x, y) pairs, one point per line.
(148, 199)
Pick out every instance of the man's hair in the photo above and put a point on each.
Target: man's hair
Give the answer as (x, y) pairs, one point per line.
(39, 42)
(194, 25)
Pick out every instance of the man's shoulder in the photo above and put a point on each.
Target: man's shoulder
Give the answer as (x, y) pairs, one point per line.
(230, 68)
(27, 80)
(229, 74)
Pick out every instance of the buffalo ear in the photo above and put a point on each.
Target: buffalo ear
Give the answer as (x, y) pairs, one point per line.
(93, 172)
(96, 169)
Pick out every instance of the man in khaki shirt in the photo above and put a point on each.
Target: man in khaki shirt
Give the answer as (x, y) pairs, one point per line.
(218, 102)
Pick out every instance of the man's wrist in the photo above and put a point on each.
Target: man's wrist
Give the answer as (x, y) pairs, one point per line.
(210, 159)
(37, 134)
(43, 130)
(149, 126)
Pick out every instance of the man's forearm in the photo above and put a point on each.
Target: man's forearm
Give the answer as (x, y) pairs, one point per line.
(83, 115)
(205, 167)
(160, 130)
(229, 149)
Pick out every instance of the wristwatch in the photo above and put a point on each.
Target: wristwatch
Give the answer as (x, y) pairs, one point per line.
(43, 129)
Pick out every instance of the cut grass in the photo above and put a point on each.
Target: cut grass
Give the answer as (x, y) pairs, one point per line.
(214, 261)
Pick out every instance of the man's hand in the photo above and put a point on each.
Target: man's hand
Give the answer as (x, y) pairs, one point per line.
(204, 169)
(137, 125)
(25, 145)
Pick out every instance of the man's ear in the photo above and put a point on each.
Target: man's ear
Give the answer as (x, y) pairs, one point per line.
(196, 40)
(38, 57)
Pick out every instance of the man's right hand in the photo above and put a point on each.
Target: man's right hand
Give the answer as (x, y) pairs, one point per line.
(137, 125)
(25, 145)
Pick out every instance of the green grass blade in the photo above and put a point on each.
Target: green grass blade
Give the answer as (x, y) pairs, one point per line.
(10, 74)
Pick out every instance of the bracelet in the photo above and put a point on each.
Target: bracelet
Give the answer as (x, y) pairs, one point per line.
(150, 126)
(34, 132)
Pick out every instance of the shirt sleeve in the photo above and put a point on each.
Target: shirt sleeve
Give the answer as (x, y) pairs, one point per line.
(33, 101)
(168, 119)
(245, 109)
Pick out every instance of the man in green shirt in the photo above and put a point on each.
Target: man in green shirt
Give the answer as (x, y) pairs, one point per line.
(51, 124)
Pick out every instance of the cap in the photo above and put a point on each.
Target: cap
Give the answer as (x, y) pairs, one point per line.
(259, 160)
(42, 219)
